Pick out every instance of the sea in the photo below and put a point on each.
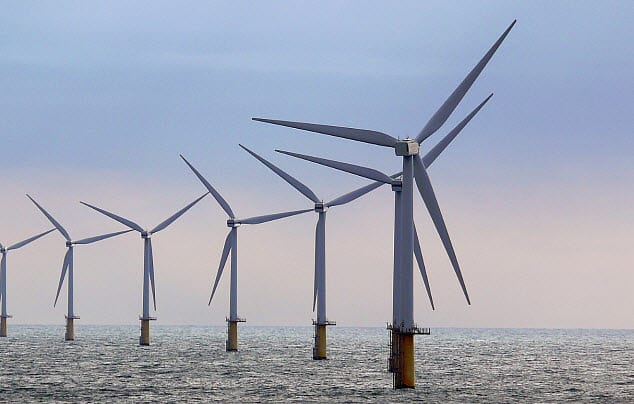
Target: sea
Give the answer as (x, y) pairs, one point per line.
(274, 364)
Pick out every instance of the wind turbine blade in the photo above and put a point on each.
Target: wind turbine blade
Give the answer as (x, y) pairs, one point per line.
(442, 145)
(151, 263)
(94, 239)
(223, 204)
(361, 135)
(357, 193)
(176, 215)
(303, 189)
(275, 216)
(28, 240)
(427, 192)
(439, 118)
(65, 265)
(223, 260)
(421, 265)
(350, 168)
(51, 219)
(119, 219)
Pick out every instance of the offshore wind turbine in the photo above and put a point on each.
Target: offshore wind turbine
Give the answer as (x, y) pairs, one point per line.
(148, 260)
(321, 208)
(397, 186)
(404, 328)
(68, 267)
(3, 277)
(231, 245)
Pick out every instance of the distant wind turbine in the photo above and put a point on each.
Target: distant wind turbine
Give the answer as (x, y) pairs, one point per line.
(231, 245)
(148, 261)
(3, 277)
(404, 328)
(67, 266)
(321, 208)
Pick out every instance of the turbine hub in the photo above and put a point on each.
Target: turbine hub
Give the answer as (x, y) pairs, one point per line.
(406, 147)
(3, 250)
(146, 234)
(233, 223)
(321, 207)
(69, 244)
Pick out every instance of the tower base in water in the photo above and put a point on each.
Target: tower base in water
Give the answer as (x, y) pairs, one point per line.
(145, 330)
(401, 360)
(319, 350)
(3, 326)
(70, 328)
(232, 334)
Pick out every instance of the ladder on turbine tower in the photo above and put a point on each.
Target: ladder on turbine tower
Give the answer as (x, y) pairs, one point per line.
(393, 360)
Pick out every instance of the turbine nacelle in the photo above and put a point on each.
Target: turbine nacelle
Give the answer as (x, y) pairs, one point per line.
(69, 244)
(3, 250)
(233, 223)
(406, 147)
(321, 207)
(146, 234)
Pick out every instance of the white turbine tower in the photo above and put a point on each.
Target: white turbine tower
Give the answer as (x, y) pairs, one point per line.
(404, 327)
(68, 267)
(231, 245)
(148, 261)
(321, 208)
(3, 277)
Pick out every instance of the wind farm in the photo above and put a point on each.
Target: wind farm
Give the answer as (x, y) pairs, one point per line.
(406, 241)
(456, 227)
(406, 244)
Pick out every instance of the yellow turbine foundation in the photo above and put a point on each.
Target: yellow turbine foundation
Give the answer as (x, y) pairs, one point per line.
(70, 329)
(232, 336)
(145, 332)
(3, 327)
(403, 362)
(319, 351)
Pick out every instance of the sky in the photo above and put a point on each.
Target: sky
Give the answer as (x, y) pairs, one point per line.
(99, 98)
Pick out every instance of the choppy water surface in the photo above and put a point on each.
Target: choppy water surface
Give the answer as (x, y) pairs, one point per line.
(188, 363)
